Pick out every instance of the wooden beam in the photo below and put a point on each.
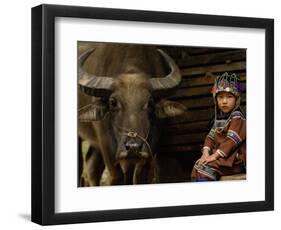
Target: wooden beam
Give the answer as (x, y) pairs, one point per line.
(192, 116)
(194, 51)
(201, 126)
(181, 149)
(235, 66)
(206, 101)
(183, 139)
(195, 91)
(204, 80)
(213, 58)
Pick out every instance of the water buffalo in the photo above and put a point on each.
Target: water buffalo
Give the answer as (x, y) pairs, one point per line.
(121, 102)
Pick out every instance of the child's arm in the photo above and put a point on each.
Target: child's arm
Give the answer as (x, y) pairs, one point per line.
(235, 136)
(207, 147)
(209, 142)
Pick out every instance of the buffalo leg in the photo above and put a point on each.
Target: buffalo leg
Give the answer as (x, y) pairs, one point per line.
(140, 172)
(93, 168)
(128, 170)
(145, 172)
(115, 172)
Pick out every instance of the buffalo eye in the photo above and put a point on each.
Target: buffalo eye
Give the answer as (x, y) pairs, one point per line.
(150, 104)
(113, 103)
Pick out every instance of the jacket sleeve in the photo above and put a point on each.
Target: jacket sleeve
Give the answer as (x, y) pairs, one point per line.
(209, 140)
(236, 134)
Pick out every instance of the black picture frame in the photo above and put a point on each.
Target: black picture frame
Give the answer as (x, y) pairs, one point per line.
(43, 110)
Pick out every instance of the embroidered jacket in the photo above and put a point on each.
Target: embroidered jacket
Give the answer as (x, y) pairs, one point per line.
(228, 138)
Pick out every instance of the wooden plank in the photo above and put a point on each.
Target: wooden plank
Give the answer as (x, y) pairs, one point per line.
(193, 103)
(183, 139)
(201, 126)
(204, 50)
(185, 128)
(194, 91)
(191, 116)
(182, 53)
(235, 66)
(181, 148)
(213, 58)
(204, 80)
(184, 56)
(207, 101)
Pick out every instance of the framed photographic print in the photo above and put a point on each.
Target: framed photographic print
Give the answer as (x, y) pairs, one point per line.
(143, 114)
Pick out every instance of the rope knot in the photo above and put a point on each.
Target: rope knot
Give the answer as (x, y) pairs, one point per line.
(132, 134)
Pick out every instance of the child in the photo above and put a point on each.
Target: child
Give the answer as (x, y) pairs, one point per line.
(224, 150)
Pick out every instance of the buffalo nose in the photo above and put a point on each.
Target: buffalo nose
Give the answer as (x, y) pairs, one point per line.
(132, 145)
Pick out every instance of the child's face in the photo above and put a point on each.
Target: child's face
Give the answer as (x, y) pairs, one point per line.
(226, 101)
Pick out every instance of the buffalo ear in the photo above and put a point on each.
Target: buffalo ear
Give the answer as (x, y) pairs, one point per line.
(92, 112)
(166, 108)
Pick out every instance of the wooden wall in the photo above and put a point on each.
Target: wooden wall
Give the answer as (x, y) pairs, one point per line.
(182, 137)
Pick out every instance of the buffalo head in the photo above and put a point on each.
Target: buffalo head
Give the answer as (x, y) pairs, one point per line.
(128, 104)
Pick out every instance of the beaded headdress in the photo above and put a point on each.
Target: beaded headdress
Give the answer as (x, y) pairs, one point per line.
(227, 83)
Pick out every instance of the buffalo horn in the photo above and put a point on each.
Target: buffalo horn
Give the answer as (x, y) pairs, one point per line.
(169, 81)
(89, 83)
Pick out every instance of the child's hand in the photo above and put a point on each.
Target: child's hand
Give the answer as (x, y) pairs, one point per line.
(205, 154)
(209, 159)
(206, 158)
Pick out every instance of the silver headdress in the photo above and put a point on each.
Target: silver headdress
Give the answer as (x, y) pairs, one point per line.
(227, 83)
